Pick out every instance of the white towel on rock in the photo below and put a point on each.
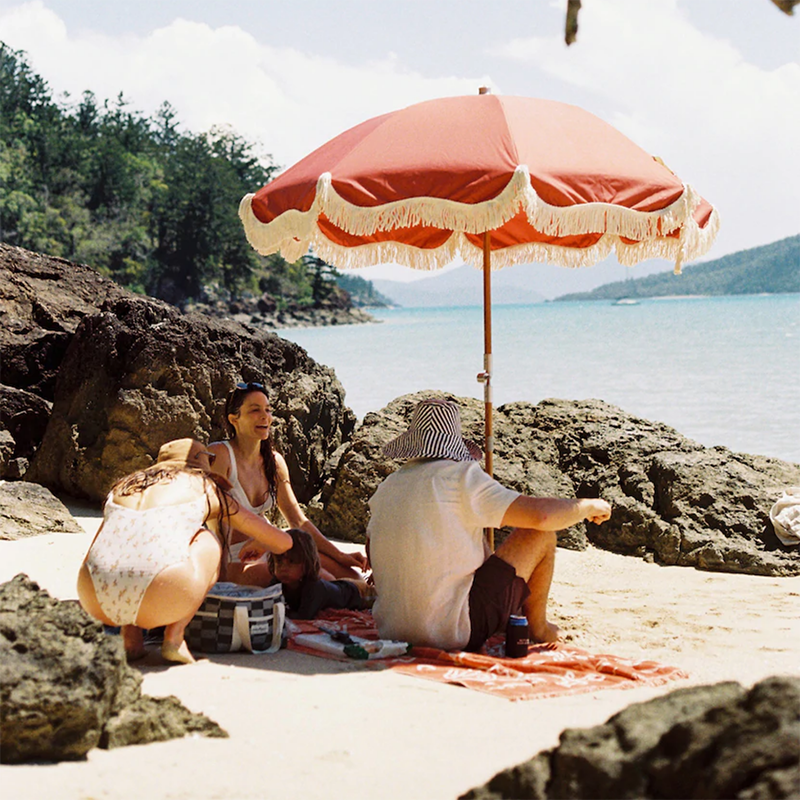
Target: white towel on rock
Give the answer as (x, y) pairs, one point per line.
(785, 516)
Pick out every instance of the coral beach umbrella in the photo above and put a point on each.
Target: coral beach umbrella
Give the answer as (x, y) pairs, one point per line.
(495, 179)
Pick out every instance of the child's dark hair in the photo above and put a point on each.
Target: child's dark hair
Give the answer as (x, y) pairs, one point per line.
(233, 405)
(303, 551)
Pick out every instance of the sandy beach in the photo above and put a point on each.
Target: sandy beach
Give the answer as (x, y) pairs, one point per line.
(316, 728)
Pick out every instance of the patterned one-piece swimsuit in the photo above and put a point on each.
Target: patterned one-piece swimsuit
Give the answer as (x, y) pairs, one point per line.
(133, 546)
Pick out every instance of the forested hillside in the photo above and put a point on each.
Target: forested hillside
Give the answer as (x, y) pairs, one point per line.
(143, 202)
(770, 269)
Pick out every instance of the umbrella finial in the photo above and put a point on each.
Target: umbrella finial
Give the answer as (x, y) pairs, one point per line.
(484, 90)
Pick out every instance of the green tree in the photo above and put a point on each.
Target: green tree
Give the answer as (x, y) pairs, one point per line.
(151, 206)
(322, 277)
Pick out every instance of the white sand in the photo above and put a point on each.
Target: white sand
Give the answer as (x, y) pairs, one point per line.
(315, 728)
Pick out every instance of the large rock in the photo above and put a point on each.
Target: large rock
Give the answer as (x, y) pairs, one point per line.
(27, 509)
(150, 374)
(23, 419)
(359, 467)
(675, 501)
(715, 741)
(42, 301)
(65, 686)
(140, 373)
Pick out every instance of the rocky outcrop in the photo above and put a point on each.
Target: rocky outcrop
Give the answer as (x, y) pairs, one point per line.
(42, 302)
(675, 501)
(23, 419)
(27, 509)
(360, 466)
(156, 374)
(264, 313)
(706, 741)
(65, 686)
(126, 373)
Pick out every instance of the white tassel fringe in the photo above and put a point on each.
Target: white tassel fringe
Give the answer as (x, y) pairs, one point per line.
(294, 232)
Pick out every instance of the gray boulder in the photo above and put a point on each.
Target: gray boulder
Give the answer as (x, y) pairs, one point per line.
(27, 509)
(23, 418)
(150, 374)
(359, 467)
(42, 302)
(675, 501)
(140, 373)
(715, 741)
(65, 686)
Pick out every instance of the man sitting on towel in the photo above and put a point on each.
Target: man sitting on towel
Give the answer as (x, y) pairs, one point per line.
(438, 585)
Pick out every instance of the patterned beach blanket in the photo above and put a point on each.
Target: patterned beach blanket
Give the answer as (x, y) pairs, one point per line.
(544, 672)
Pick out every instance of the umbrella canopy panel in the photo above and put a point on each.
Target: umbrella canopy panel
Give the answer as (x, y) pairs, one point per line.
(420, 186)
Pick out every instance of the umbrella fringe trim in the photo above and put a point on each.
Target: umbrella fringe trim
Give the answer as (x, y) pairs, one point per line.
(297, 236)
(673, 249)
(518, 196)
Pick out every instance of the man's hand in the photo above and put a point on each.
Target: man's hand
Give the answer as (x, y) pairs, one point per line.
(597, 510)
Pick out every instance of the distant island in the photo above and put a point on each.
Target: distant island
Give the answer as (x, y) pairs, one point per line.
(462, 286)
(769, 269)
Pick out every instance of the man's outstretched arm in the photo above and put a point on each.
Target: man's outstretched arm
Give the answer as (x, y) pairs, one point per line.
(553, 513)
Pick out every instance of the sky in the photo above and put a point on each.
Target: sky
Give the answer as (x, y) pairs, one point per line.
(710, 86)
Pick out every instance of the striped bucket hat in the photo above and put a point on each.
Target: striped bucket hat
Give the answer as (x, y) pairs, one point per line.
(434, 432)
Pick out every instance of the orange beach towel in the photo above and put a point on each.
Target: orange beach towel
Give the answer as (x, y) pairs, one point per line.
(542, 673)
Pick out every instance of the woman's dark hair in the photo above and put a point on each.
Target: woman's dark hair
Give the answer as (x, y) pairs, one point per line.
(303, 551)
(233, 405)
(145, 478)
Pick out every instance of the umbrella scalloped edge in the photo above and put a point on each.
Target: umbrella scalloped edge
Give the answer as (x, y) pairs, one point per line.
(294, 232)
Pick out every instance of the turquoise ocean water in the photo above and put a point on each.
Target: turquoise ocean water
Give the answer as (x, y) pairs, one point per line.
(722, 370)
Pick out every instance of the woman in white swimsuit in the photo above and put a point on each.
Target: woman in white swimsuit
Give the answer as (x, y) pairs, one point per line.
(158, 550)
(260, 480)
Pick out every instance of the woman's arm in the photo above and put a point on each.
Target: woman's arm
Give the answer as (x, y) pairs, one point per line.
(256, 527)
(222, 463)
(290, 508)
(273, 539)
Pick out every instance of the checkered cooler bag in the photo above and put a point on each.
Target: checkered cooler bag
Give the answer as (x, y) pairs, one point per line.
(234, 617)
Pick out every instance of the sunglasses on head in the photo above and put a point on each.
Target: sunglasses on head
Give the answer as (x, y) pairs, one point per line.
(246, 387)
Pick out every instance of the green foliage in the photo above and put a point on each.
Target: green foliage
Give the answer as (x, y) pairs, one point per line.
(137, 199)
(362, 292)
(145, 204)
(770, 269)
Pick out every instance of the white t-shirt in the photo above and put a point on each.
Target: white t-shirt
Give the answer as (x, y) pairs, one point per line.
(426, 541)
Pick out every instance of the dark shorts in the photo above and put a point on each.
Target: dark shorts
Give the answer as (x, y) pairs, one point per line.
(497, 593)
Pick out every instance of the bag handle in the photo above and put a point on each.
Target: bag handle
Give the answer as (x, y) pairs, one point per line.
(243, 626)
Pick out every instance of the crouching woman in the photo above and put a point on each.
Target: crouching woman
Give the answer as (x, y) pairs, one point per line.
(158, 550)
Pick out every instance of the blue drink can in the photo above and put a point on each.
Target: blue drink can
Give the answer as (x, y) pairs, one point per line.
(517, 640)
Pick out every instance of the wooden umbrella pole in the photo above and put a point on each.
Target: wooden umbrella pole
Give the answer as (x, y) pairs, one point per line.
(487, 349)
(485, 377)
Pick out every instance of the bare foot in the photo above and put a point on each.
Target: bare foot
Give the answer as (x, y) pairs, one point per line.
(178, 653)
(550, 634)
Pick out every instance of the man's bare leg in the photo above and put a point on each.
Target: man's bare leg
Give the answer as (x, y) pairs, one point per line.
(532, 553)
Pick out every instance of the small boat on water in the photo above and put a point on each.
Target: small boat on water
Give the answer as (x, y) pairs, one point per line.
(626, 301)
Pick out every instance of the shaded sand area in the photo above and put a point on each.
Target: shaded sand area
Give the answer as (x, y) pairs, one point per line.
(316, 728)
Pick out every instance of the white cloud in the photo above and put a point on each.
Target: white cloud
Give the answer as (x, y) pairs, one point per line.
(290, 101)
(724, 125)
